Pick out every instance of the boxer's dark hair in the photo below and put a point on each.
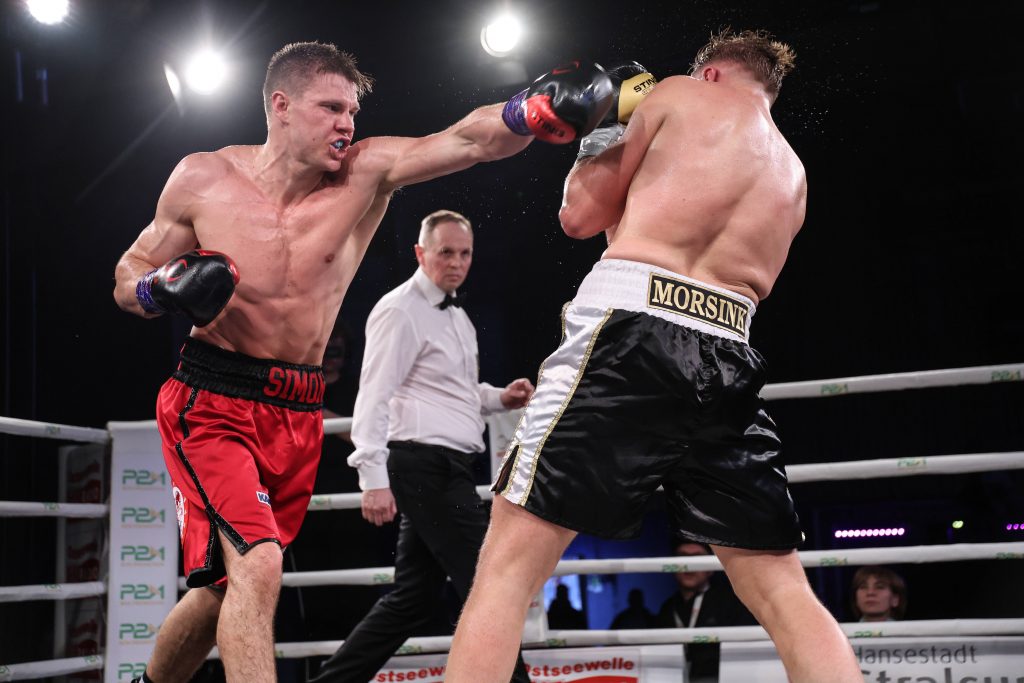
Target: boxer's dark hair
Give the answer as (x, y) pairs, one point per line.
(431, 221)
(291, 68)
(769, 59)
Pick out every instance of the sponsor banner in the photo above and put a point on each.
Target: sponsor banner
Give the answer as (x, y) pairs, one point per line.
(143, 579)
(644, 664)
(889, 660)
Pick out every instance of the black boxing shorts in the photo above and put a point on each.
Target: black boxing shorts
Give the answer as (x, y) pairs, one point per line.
(653, 385)
(241, 440)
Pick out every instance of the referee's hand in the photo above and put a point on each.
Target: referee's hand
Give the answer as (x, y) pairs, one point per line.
(378, 506)
(517, 394)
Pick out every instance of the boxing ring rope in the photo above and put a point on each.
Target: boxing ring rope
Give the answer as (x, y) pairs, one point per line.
(918, 554)
(50, 668)
(46, 430)
(987, 374)
(53, 591)
(801, 474)
(674, 636)
(31, 509)
(891, 467)
(560, 639)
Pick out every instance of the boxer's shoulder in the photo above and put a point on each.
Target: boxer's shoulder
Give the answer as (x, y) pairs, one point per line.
(203, 168)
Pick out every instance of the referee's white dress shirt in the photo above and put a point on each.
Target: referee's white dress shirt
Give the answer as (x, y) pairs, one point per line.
(420, 380)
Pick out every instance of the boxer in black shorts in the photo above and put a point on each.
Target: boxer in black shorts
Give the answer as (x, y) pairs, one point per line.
(654, 384)
(649, 389)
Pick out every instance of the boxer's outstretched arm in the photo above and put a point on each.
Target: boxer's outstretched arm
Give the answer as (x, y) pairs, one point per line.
(169, 235)
(480, 136)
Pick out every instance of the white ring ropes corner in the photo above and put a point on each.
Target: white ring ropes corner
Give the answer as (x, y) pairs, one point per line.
(891, 467)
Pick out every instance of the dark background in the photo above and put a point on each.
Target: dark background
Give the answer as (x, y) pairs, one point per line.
(907, 116)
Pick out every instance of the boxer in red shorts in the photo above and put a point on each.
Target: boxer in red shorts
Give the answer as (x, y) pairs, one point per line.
(252, 483)
(276, 232)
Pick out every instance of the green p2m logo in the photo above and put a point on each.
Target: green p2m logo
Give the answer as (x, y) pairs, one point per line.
(143, 478)
(142, 515)
(141, 553)
(141, 591)
(138, 631)
(130, 670)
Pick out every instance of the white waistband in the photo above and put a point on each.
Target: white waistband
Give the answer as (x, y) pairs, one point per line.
(635, 286)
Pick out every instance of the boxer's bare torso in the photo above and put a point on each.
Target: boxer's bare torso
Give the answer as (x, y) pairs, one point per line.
(295, 262)
(717, 193)
(296, 215)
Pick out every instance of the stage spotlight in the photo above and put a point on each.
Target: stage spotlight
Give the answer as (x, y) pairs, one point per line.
(501, 35)
(48, 11)
(205, 72)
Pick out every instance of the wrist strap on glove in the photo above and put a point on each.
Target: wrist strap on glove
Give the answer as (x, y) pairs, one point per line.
(514, 114)
(144, 293)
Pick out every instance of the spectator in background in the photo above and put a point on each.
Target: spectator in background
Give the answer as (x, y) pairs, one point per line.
(704, 599)
(636, 615)
(561, 613)
(878, 594)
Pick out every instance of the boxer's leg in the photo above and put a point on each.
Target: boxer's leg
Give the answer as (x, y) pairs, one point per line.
(519, 554)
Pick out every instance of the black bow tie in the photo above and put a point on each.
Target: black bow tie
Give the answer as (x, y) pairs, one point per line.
(458, 300)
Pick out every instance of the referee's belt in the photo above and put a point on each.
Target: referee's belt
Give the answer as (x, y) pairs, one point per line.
(419, 446)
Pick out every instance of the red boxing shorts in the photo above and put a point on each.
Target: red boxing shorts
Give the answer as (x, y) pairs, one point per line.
(241, 440)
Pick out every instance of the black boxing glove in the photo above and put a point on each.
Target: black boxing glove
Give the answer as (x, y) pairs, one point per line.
(562, 105)
(631, 82)
(197, 284)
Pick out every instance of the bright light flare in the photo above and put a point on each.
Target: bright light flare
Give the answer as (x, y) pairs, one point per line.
(501, 35)
(206, 72)
(173, 82)
(48, 11)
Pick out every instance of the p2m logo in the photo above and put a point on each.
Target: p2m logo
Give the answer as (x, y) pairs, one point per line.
(130, 670)
(141, 553)
(137, 631)
(141, 592)
(142, 478)
(142, 516)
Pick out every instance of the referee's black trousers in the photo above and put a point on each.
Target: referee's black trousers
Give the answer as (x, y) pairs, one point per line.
(442, 527)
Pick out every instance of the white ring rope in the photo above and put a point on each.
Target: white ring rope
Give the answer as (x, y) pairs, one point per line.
(53, 591)
(657, 636)
(51, 668)
(45, 430)
(337, 425)
(557, 639)
(800, 474)
(916, 554)
(907, 554)
(987, 374)
(31, 509)
(906, 466)
(951, 464)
